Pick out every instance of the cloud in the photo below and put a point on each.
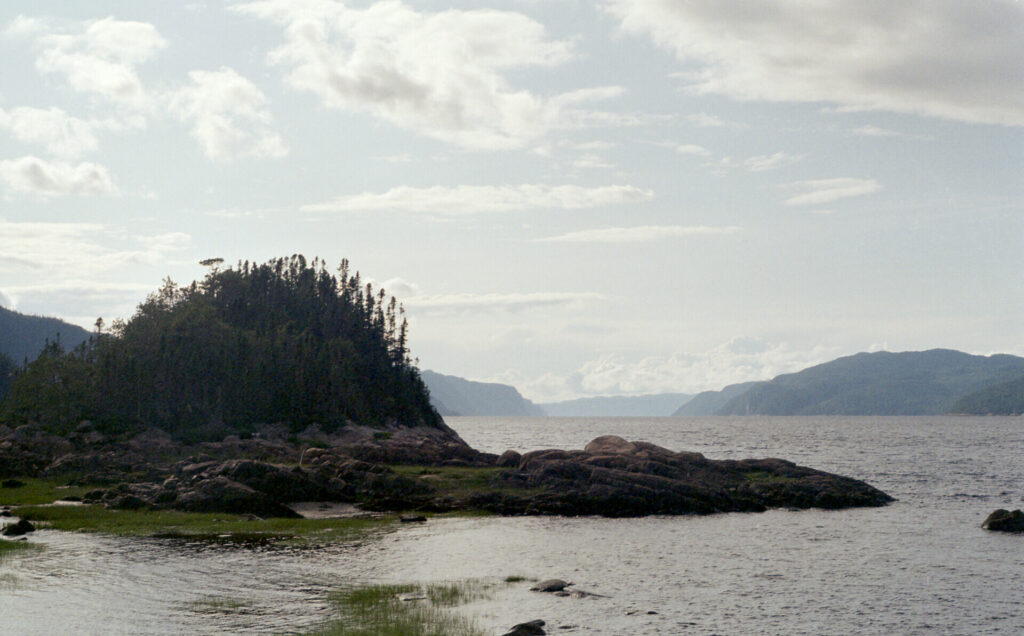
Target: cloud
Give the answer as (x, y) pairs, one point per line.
(638, 234)
(229, 115)
(692, 149)
(79, 249)
(490, 303)
(466, 199)
(62, 135)
(440, 74)
(739, 360)
(942, 58)
(820, 191)
(101, 58)
(5, 301)
(45, 178)
(770, 162)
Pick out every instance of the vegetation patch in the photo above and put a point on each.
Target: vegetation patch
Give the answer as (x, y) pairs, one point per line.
(765, 477)
(195, 525)
(407, 609)
(40, 491)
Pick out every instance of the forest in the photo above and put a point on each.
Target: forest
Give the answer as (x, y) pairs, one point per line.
(283, 342)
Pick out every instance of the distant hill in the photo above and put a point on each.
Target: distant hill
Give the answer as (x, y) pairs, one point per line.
(881, 383)
(1001, 399)
(709, 402)
(23, 336)
(654, 405)
(452, 395)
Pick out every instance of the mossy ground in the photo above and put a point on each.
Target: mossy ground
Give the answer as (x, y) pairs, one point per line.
(40, 491)
(377, 610)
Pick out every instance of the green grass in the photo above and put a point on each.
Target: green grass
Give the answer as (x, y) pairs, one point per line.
(8, 547)
(765, 477)
(168, 523)
(377, 610)
(40, 491)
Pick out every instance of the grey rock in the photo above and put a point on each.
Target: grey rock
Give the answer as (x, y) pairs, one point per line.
(550, 585)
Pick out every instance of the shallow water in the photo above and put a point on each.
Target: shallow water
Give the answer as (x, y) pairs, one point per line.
(919, 565)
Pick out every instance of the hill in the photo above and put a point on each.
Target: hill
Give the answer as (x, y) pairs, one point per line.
(279, 343)
(23, 336)
(709, 402)
(880, 383)
(654, 405)
(1001, 399)
(452, 395)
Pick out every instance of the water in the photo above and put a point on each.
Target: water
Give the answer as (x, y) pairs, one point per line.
(920, 565)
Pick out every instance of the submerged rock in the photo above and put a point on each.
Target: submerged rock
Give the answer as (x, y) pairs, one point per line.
(1005, 521)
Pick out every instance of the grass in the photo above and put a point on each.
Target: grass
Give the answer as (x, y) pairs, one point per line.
(40, 491)
(10, 547)
(377, 610)
(194, 525)
(765, 477)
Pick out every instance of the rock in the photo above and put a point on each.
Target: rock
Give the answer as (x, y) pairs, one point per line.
(509, 459)
(550, 585)
(5, 513)
(220, 494)
(23, 526)
(1005, 521)
(412, 519)
(12, 483)
(531, 628)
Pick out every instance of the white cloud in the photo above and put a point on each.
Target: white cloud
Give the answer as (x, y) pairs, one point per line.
(466, 199)
(769, 162)
(37, 176)
(5, 301)
(476, 303)
(591, 160)
(79, 249)
(944, 58)
(61, 134)
(23, 25)
(638, 234)
(692, 149)
(820, 191)
(739, 360)
(439, 74)
(228, 113)
(101, 58)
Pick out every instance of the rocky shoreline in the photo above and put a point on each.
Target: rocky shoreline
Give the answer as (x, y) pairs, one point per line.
(371, 468)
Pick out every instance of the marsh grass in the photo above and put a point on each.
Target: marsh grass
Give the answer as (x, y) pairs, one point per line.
(40, 491)
(377, 610)
(8, 548)
(195, 525)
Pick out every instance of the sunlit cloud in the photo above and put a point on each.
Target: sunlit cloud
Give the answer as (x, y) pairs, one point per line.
(465, 199)
(32, 175)
(821, 191)
(638, 234)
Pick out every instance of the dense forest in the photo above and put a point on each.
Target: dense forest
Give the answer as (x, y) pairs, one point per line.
(281, 342)
(1003, 399)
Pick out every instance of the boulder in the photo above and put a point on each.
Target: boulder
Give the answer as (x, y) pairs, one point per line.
(1005, 521)
(531, 628)
(220, 494)
(550, 585)
(23, 526)
(509, 459)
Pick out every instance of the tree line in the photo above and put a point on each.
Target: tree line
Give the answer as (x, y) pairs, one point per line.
(284, 342)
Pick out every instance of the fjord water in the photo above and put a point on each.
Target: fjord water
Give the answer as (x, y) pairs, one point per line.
(921, 564)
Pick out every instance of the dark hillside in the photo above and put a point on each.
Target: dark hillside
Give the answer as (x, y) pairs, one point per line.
(282, 342)
(881, 383)
(1002, 399)
(23, 336)
(452, 395)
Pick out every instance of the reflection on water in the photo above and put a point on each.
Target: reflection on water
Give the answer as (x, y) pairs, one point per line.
(921, 564)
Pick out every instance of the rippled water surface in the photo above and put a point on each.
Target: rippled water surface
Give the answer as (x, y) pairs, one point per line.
(919, 565)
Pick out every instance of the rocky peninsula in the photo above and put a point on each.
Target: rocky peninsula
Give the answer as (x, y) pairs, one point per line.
(422, 469)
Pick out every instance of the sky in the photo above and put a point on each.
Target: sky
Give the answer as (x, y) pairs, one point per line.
(605, 197)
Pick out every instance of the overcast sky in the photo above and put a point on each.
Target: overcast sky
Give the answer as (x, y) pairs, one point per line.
(575, 197)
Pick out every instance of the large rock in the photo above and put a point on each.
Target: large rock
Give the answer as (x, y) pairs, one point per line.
(23, 526)
(616, 478)
(220, 494)
(1005, 521)
(530, 628)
